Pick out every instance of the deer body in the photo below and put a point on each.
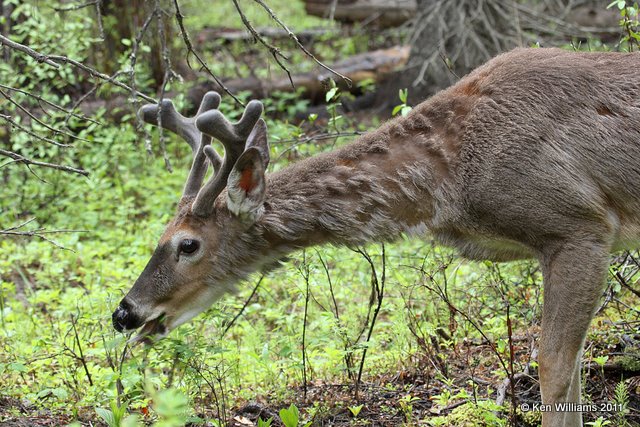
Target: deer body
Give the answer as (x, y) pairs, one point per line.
(536, 154)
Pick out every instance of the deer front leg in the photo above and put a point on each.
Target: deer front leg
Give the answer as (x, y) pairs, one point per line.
(574, 275)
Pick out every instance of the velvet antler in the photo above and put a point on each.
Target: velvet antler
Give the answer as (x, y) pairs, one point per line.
(249, 131)
(166, 116)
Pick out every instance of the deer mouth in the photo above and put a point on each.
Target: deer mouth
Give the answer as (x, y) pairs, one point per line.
(152, 330)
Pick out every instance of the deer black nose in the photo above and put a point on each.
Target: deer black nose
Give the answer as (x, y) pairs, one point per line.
(123, 318)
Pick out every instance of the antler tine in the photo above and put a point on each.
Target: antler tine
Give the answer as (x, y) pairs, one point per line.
(214, 124)
(210, 101)
(166, 115)
(234, 137)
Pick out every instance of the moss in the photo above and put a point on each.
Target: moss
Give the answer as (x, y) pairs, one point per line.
(630, 362)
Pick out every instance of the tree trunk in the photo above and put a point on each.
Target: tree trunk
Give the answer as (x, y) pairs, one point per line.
(123, 19)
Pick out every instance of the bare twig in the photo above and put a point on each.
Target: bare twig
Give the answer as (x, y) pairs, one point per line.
(191, 50)
(56, 60)
(244, 306)
(89, 93)
(15, 124)
(346, 341)
(17, 230)
(377, 294)
(297, 42)
(76, 6)
(98, 4)
(198, 367)
(97, 74)
(21, 159)
(275, 51)
(26, 49)
(512, 356)
(133, 59)
(53, 105)
(80, 357)
(442, 292)
(306, 273)
(624, 283)
(168, 76)
(37, 120)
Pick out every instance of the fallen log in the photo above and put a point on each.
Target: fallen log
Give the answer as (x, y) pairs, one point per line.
(384, 13)
(236, 34)
(373, 65)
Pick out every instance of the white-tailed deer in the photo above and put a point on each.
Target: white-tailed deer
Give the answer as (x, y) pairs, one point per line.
(535, 154)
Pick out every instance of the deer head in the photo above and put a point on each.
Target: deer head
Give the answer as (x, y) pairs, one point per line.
(203, 249)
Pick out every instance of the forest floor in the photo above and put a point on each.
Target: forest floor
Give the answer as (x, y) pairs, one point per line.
(407, 397)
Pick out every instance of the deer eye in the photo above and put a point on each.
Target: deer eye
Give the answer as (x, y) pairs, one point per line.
(189, 246)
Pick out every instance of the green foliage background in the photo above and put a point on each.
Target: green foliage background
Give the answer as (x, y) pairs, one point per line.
(57, 347)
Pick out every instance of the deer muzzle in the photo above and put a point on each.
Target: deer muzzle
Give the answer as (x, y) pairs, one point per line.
(124, 318)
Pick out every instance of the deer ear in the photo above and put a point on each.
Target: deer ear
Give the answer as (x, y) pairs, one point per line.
(246, 185)
(258, 138)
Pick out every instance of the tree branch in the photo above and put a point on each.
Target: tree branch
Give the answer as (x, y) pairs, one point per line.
(275, 52)
(56, 60)
(38, 232)
(190, 50)
(299, 44)
(26, 49)
(21, 159)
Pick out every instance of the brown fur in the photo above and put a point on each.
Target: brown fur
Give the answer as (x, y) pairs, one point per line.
(534, 154)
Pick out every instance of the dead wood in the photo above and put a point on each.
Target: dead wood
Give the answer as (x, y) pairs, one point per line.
(235, 34)
(384, 13)
(373, 65)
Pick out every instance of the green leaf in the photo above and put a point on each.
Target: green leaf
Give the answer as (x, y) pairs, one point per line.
(397, 109)
(107, 416)
(601, 360)
(402, 94)
(60, 393)
(17, 367)
(331, 93)
(355, 410)
(290, 417)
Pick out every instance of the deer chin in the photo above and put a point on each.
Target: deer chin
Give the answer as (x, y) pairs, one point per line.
(159, 326)
(152, 330)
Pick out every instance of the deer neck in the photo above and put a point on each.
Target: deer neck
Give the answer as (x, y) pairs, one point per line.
(376, 189)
